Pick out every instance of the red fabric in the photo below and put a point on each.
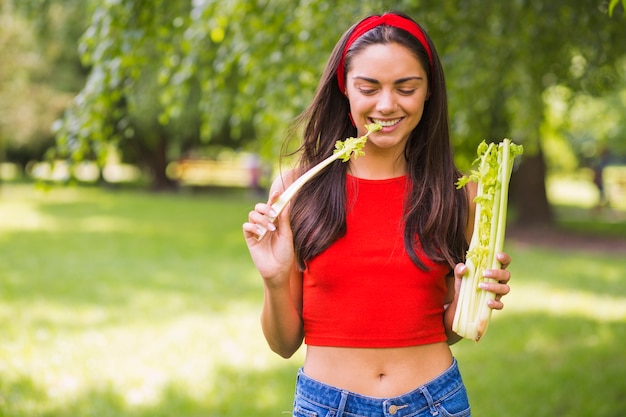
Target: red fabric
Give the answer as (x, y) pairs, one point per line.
(364, 291)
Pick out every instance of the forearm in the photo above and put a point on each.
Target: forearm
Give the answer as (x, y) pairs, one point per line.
(281, 321)
(448, 318)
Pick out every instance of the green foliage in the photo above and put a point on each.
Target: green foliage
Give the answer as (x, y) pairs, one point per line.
(499, 57)
(354, 146)
(613, 4)
(225, 72)
(262, 68)
(38, 72)
(120, 45)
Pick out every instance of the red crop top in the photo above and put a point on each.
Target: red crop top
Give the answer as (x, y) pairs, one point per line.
(364, 290)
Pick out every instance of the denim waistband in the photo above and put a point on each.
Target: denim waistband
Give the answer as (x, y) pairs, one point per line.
(422, 398)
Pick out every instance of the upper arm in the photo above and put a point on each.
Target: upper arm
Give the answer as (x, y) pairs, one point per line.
(471, 191)
(450, 290)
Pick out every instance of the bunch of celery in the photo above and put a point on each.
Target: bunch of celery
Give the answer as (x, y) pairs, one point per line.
(495, 163)
(343, 150)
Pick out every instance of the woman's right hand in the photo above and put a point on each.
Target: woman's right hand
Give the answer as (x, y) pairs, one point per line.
(273, 255)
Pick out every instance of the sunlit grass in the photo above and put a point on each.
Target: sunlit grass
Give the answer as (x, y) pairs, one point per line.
(580, 191)
(138, 304)
(590, 286)
(556, 348)
(132, 296)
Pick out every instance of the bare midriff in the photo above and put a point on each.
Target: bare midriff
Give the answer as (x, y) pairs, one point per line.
(377, 372)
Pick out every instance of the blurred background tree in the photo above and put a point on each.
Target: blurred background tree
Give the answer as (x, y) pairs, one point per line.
(501, 60)
(39, 72)
(165, 79)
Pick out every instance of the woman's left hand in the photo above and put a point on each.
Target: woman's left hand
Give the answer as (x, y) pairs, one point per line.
(502, 276)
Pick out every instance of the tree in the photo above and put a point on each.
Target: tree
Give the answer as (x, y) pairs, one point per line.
(503, 56)
(258, 62)
(257, 71)
(39, 72)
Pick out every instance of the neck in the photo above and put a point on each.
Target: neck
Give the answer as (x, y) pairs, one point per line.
(372, 167)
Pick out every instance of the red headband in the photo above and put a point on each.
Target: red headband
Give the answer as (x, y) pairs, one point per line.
(370, 23)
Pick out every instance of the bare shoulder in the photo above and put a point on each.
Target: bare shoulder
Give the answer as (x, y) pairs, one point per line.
(284, 180)
(471, 190)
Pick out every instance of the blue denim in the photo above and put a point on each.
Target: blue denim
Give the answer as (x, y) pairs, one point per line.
(444, 396)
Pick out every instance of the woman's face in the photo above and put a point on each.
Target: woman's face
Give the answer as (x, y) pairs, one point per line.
(387, 84)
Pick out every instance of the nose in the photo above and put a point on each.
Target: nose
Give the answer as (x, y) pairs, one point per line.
(386, 103)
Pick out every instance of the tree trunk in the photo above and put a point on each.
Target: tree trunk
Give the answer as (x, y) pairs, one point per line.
(158, 166)
(528, 192)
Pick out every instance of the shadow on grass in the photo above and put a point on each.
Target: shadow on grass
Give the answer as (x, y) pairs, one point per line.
(593, 272)
(109, 251)
(237, 392)
(140, 205)
(114, 268)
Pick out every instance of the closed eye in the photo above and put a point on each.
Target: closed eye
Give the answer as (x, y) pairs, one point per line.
(367, 91)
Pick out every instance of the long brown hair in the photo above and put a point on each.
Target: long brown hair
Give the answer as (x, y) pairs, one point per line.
(435, 212)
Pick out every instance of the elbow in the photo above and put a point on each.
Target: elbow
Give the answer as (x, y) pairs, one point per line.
(285, 351)
(453, 339)
(284, 338)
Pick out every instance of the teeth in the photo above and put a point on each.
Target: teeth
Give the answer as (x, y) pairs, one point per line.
(386, 123)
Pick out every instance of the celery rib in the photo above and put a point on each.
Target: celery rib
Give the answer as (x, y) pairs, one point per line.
(472, 315)
(343, 150)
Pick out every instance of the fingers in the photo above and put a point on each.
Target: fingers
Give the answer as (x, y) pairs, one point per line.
(504, 259)
(499, 286)
(500, 275)
(495, 304)
(497, 282)
(261, 219)
(256, 231)
(459, 270)
(259, 223)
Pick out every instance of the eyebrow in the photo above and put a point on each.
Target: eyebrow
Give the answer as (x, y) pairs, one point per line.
(398, 81)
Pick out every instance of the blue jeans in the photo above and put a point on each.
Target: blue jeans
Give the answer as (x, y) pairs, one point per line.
(444, 396)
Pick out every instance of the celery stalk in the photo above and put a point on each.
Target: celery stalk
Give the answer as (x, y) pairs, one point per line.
(343, 150)
(472, 315)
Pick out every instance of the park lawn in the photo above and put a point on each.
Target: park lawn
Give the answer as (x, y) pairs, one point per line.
(121, 303)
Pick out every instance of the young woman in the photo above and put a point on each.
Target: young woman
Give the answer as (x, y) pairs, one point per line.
(365, 265)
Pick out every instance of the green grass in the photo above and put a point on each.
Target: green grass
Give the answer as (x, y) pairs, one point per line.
(136, 304)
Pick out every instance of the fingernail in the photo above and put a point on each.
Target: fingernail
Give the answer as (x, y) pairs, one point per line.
(259, 230)
(488, 273)
(482, 285)
(271, 226)
(273, 213)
